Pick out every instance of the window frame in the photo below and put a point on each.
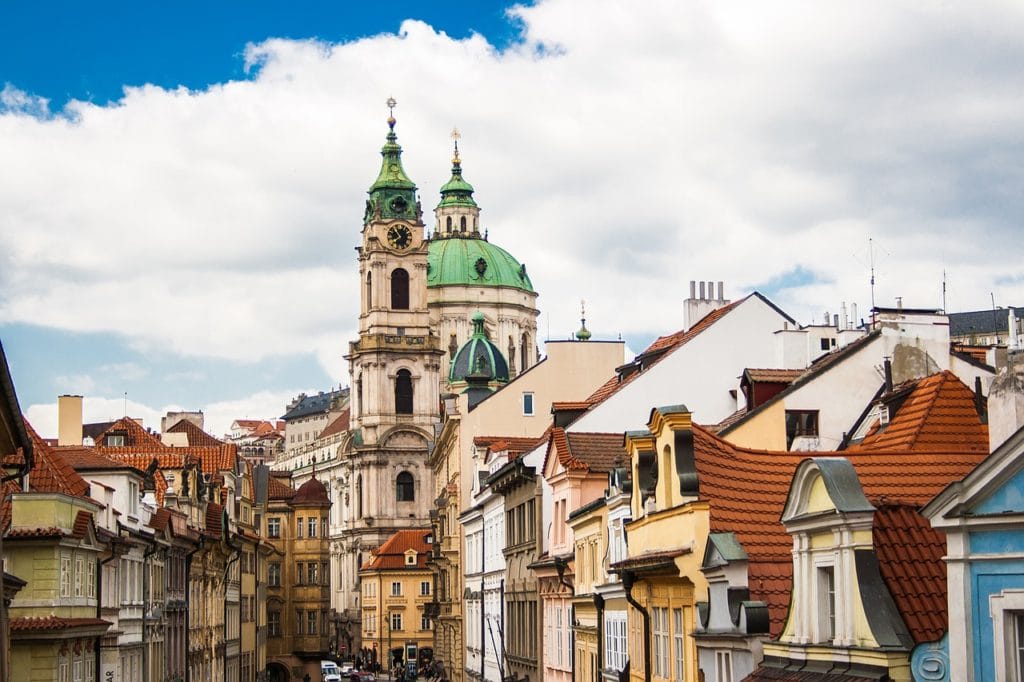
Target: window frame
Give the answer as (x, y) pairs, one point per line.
(529, 404)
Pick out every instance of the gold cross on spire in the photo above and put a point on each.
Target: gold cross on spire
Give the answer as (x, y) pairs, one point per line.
(456, 136)
(391, 105)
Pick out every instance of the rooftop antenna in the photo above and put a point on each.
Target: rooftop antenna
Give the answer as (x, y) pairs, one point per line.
(943, 290)
(125, 403)
(871, 251)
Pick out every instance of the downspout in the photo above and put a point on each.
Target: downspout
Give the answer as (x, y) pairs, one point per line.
(227, 568)
(599, 605)
(628, 580)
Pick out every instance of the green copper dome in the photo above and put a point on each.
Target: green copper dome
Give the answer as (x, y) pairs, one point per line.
(479, 360)
(457, 260)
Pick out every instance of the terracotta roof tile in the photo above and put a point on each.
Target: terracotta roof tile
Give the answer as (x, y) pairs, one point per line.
(773, 375)
(34, 624)
(585, 451)
(514, 445)
(195, 435)
(84, 458)
(50, 472)
(51, 532)
(213, 519)
(391, 555)
(276, 490)
(910, 555)
(769, 674)
(747, 490)
(312, 492)
(135, 435)
(338, 425)
(939, 413)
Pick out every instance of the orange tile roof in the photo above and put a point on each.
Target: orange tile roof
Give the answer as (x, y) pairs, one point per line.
(584, 451)
(84, 458)
(747, 490)
(276, 490)
(213, 519)
(391, 555)
(50, 472)
(194, 434)
(135, 435)
(773, 375)
(514, 445)
(339, 425)
(939, 413)
(910, 555)
(49, 623)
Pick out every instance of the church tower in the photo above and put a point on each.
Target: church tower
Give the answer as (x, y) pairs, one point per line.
(395, 362)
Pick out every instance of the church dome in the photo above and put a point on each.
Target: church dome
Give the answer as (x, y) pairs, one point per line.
(474, 262)
(479, 359)
(312, 492)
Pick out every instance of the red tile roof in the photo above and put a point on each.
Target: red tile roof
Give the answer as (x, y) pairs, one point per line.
(747, 490)
(514, 445)
(135, 435)
(584, 451)
(768, 674)
(50, 472)
(339, 425)
(939, 413)
(194, 434)
(312, 492)
(910, 555)
(391, 555)
(83, 458)
(49, 623)
(277, 490)
(214, 513)
(783, 376)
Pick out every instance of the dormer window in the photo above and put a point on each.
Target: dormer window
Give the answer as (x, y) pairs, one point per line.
(883, 414)
(410, 559)
(115, 440)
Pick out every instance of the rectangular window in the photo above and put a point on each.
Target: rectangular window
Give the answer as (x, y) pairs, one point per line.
(677, 635)
(79, 576)
(298, 527)
(300, 619)
(1018, 651)
(396, 621)
(311, 619)
(424, 623)
(274, 623)
(424, 588)
(90, 579)
(723, 665)
(274, 527)
(396, 589)
(826, 604)
(311, 522)
(274, 574)
(528, 404)
(660, 635)
(65, 575)
(312, 579)
(800, 423)
(133, 498)
(558, 636)
(323, 527)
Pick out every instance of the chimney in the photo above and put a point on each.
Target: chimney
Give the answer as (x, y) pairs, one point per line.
(702, 296)
(693, 288)
(853, 314)
(69, 420)
(1006, 401)
(721, 291)
(980, 403)
(888, 375)
(843, 318)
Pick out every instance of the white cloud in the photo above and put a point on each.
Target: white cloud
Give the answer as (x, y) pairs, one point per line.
(620, 151)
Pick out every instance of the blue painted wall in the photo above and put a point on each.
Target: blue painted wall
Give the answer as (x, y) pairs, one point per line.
(1009, 497)
(988, 578)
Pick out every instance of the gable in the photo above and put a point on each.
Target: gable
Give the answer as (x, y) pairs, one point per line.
(1006, 498)
(817, 498)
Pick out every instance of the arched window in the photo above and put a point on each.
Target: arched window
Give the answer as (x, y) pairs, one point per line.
(449, 223)
(369, 290)
(404, 488)
(403, 392)
(462, 223)
(524, 354)
(400, 289)
(359, 497)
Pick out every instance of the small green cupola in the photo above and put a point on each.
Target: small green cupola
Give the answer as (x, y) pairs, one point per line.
(479, 360)
(392, 194)
(457, 214)
(583, 334)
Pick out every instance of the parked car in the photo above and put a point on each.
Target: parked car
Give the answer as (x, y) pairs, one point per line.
(361, 676)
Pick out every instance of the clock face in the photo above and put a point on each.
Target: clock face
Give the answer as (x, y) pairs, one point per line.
(399, 236)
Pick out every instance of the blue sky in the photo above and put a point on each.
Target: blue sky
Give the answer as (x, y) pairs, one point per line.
(182, 183)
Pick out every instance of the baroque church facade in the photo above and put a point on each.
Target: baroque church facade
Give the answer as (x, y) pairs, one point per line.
(423, 296)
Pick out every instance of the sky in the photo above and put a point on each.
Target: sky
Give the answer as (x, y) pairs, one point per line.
(182, 184)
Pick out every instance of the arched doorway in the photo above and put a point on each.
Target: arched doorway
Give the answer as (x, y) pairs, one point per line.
(277, 673)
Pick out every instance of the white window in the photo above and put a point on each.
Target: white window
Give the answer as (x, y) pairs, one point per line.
(79, 576)
(615, 639)
(677, 634)
(133, 498)
(1007, 611)
(826, 603)
(528, 404)
(424, 623)
(312, 526)
(274, 527)
(424, 588)
(396, 589)
(723, 665)
(396, 621)
(660, 635)
(65, 575)
(559, 636)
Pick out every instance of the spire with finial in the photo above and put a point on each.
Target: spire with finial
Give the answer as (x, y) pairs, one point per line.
(456, 192)
(583, 334)
(392, 194)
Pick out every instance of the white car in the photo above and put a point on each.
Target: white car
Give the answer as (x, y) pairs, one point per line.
(329, 671)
